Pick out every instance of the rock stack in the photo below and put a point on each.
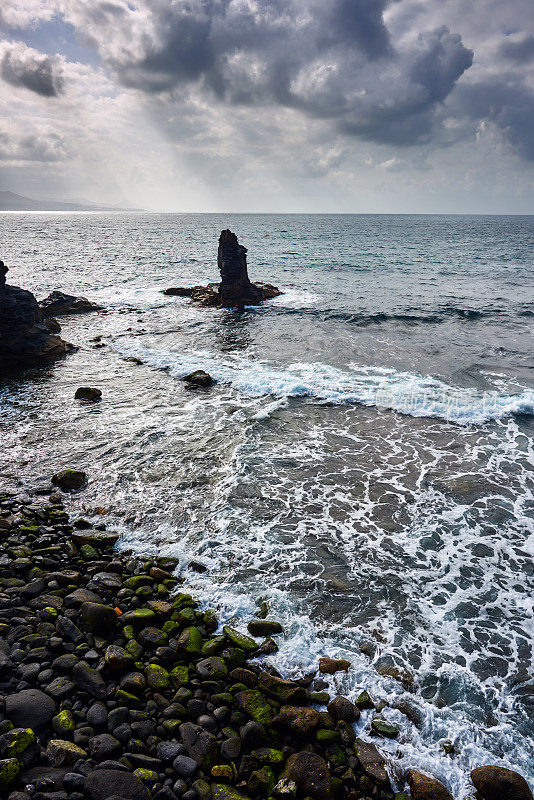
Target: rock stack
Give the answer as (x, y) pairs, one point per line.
(24, 337)
(235, 289)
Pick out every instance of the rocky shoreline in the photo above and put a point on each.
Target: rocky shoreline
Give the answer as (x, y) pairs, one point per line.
(115, 684)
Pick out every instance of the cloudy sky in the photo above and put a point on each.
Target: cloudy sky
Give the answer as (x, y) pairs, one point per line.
(270, 105)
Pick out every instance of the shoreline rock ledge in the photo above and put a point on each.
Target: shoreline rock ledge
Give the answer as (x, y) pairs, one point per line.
(235, 288)
(25, 337)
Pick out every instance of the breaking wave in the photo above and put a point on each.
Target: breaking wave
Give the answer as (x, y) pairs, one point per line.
(404, 392)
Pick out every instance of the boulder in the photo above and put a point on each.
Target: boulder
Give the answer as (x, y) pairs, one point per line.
(425, 787)
(282, 689)
(59, 303)
(97, 618)
(69, 480)
(25, 338)
(264, 627)
(301, 720)
(60, 751)
(198, 378)
(89, 680)
(310, 773)
(102, 784)
(30, 708)
(371, 761)
(201, 745)
(342, 708)
(87, 393)
(498, 783)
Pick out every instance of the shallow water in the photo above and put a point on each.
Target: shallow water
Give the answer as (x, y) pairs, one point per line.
(364, 462)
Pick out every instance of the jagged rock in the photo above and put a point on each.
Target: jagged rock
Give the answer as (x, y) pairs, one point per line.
(24, 337)
(59, 303)
(235, 288)
(498, 783)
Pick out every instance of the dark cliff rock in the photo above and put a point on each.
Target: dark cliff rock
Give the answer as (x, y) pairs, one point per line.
(59, 304)
(235, 288)
(24, 337)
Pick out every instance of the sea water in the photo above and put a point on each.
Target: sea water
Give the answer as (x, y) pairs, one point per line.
(364, 462)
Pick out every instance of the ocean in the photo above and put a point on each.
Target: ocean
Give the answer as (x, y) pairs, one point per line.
(364, 462)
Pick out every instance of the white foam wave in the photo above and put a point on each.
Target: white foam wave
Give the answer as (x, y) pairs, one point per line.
(405, 392)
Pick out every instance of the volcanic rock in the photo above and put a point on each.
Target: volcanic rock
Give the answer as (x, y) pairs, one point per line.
(59, 303)
(25, 338)
(235, 289)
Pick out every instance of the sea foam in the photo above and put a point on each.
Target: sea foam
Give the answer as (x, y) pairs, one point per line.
(381, 387)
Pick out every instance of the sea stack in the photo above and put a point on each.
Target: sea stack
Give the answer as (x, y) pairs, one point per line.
(25, 339)
(235, 289)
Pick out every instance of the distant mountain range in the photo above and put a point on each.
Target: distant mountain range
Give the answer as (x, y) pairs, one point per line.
(9, 201)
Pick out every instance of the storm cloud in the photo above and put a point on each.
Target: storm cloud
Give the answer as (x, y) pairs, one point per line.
(22, 66)
(298, 100)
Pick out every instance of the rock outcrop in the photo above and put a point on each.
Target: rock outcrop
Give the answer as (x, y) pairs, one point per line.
(235, 289)
(60, 304)
(25, 339)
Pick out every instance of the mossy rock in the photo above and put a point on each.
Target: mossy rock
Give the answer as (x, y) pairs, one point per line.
(157, 677)
(261, 782)
(69, 480)
(9, 769)
(384, 728)
(180, 675)
(213, 646)
(134, 649)
(183, 600)
(135, 581)
(268, 755)
(16, 741)
(170, 628)
(255, 704)
(148, 776)
(172, 727)
(190, 641)
(223, 772)
(326, 736)
(63, 724)
(139, 617)
(241, 640)
(221, 791)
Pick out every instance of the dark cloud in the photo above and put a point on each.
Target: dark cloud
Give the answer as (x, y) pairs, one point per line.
(504, 102)
(333, 60)
(520, 51)
(21, 66)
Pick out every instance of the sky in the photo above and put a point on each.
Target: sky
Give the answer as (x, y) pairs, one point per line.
(380, 106)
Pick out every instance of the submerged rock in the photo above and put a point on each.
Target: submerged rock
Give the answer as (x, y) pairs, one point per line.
(235, 289)
(59, 303)
(24, 336)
